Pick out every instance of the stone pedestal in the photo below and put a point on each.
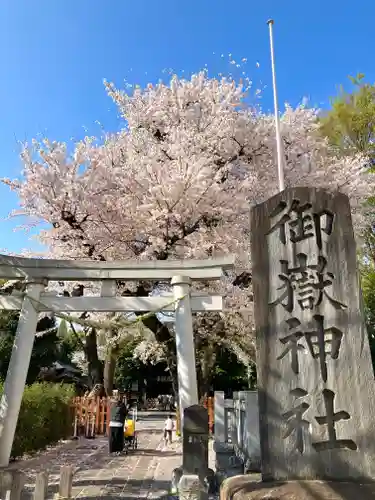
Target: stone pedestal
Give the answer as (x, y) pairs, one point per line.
(210, 481)
(191, 487)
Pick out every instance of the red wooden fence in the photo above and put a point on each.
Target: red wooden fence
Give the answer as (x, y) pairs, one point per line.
(93, 414)
(209, 403)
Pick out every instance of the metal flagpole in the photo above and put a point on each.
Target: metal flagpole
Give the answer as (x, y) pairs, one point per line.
(279, 147)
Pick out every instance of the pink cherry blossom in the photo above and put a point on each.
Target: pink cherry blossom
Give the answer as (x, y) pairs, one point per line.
(179, 179)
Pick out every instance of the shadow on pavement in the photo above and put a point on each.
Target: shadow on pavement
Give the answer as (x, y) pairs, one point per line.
(155, 453)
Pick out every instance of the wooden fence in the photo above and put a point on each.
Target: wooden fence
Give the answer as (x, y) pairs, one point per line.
(12, 485)
(91, 416)
(209, 403)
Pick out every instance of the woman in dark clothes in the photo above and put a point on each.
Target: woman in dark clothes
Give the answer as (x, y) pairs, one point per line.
(118, 414)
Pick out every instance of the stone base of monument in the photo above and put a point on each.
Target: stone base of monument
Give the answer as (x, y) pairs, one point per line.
(252, 465)
(249, 487)
(209, 483)
(176, 476)
(227, 465)
(191, 487)
(223, 474)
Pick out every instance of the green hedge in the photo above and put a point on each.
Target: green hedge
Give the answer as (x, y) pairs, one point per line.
(46, 416)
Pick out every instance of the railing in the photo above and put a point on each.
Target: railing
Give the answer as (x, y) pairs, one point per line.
(12, 485)
(237, 430)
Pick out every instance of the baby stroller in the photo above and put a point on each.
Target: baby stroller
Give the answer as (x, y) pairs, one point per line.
(130, 435)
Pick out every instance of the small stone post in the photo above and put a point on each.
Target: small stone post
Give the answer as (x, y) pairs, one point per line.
(17, 371)
(66, 481)
(223, 450)
(41, 486)
(11, 484)
(219, 416)
(234, 421)
(251, 434)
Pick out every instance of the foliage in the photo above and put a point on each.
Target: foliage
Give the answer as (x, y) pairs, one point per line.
(128, 367)
(350, 124)
(349, 127)
(8, 326)
(177, 182)
(224, 371)
(368, 289)
(47, 347)
(164, 186)
(212, 350)
(45, 417)
(229, 374)
(150, 351)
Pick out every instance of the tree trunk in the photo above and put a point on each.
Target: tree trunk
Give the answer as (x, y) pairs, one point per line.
(162, 335)
(109, 370)
(172, 367)
(207, 360)
(174, 383)
(95, 366)
(110, 363)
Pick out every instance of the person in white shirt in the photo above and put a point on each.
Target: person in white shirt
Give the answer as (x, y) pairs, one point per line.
(168, 428)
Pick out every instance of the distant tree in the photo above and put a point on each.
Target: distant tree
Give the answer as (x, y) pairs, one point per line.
(8, 325)
(213, 348)
(350, 123)
(349, 127)
(138, 361)
(230, 375)
(128, 368)
(368, 289)
(176, 182)
(47, 348)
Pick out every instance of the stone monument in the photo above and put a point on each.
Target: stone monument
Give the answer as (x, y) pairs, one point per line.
(315, 376)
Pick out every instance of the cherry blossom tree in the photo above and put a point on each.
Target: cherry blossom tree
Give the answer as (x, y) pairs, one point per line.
(213, 333)
(177, 182)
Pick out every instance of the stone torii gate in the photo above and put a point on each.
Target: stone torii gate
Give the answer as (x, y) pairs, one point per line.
(36, 273)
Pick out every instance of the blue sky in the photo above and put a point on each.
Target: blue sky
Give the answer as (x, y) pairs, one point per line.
(55, 54)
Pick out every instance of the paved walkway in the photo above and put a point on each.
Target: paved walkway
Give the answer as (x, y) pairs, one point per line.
(143, 474)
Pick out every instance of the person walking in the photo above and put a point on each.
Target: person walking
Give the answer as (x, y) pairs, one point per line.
(168, 429)
(118, 413)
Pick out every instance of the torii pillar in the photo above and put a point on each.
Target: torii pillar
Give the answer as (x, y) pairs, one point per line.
(185, 349)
